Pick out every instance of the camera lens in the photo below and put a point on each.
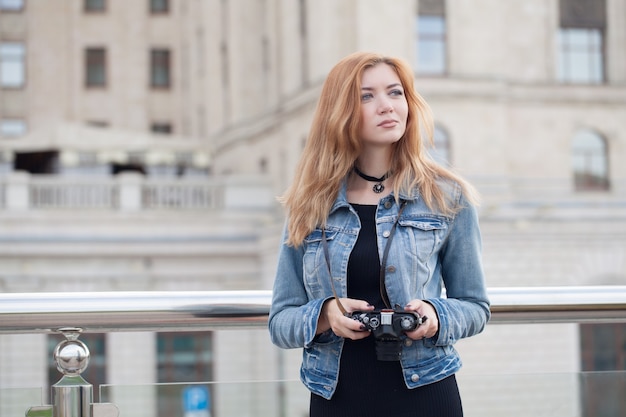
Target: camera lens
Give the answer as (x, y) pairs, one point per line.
(407, 323)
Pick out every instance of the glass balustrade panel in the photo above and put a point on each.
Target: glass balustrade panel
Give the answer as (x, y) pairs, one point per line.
(210, 399)
(584, 394)
(15, 402)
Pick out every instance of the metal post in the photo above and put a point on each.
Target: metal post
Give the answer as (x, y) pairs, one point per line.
(72, 396)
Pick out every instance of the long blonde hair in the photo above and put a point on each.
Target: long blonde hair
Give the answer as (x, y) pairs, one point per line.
(333, 145)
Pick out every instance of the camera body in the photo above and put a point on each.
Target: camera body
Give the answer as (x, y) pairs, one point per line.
(388, 326)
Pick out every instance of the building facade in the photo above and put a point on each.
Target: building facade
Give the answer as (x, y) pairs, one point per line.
(154, 105)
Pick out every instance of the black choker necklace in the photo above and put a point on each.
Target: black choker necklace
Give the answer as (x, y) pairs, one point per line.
(378, 187)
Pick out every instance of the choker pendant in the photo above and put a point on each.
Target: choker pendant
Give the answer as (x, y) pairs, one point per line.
(378, 187)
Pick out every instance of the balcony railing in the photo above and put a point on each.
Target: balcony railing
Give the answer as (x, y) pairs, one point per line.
(132, 191)
(214, 310)
(71, 313)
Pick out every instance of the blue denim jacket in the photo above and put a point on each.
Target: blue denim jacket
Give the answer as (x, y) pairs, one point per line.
(434, 257)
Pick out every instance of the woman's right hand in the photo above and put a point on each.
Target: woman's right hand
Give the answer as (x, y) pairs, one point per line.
(332, 318)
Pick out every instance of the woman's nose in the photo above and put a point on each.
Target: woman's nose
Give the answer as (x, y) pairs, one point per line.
(385, 108)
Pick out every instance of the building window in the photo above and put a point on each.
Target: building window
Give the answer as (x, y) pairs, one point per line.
(181, 357)
(12, 64)
(303, 23)
(37, 162)
(6, 162)
(184, 357)
(97, 6)
(159, 6)
(95, 62)
(441, 151)
(11, 5)
(581, 41)
(590, 161)
(431, 37)
(581, 56)
(603, 362)
(10, 128)
(160, 73)
(95, 373)
(97, 123)
(162, 128)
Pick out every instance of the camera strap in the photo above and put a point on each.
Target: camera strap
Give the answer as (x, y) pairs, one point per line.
(383, 264)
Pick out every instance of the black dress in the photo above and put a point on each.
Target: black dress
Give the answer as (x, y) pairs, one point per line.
(367, 386)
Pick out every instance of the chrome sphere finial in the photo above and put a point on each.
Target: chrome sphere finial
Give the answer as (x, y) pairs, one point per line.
(71, 355)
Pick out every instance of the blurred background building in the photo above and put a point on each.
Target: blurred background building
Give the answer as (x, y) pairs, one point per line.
(142, 144)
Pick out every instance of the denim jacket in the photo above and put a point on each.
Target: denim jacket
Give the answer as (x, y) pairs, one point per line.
(434, 257)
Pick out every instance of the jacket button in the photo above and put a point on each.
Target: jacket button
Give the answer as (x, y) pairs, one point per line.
(391, 268)
(387, 204)
(386, 233)
(415, 377)
(408, 342)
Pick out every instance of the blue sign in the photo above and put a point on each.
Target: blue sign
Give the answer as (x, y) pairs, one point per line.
(196, 398)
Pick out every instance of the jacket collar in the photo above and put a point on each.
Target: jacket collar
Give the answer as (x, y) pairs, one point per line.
(342, 198)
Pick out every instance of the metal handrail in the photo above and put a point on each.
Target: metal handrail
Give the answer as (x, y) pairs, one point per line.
(98, 312)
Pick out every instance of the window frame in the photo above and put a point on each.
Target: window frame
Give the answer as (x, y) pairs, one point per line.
(581, 16)
(160, 60)
(6, 63)
(15, 120)
(587, 179)
(10, 9)
(431, 40)
(593, 55)
(90, 82)
(88, 7)
(161, 128)
(439, 41)
(159, 10)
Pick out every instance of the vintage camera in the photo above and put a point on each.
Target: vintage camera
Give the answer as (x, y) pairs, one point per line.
(388, 326)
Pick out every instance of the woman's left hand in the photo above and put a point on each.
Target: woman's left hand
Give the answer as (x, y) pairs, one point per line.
(430, 327)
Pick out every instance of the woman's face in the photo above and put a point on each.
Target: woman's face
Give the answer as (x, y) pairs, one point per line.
(384, 108)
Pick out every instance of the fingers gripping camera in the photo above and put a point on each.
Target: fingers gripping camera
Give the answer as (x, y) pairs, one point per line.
(390, 323)
(388, 327)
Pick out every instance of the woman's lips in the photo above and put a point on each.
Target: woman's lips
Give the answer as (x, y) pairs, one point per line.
(388, 123)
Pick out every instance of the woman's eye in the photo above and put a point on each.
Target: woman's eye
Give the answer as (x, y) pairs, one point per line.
(366, 96)
(396, 92)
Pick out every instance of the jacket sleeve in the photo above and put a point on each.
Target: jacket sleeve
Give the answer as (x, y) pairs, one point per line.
(464, 311)
(293, 317)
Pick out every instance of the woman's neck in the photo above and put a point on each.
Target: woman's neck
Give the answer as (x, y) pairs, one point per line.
(374, 164)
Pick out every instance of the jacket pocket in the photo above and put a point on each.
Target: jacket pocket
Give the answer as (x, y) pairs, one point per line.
(425, 234)
(314, 262)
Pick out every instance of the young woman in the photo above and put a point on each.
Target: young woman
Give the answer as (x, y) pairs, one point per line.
(377, 227)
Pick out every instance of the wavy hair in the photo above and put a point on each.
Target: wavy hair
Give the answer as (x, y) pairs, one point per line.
(333, 145)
